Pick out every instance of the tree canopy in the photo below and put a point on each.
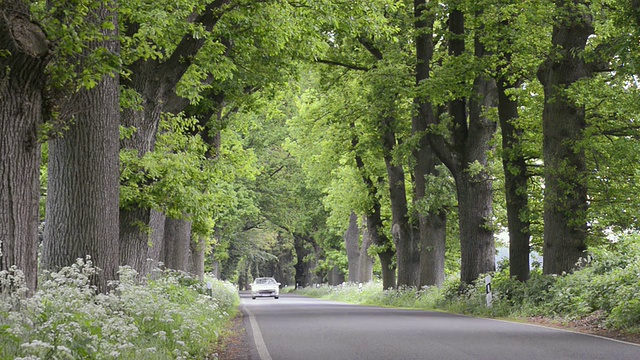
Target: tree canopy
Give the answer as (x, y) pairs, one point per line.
(260, 127)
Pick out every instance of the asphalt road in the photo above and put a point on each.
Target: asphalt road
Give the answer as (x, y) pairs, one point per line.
(300, 328)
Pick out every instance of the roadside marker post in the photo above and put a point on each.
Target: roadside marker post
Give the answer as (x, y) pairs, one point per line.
(487, 282)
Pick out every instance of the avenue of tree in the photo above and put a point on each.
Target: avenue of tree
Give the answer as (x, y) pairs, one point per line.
(316, 140)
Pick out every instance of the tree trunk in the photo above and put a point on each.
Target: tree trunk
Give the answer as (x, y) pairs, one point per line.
(351, 239)
(177, 237)
(477, 247)
(563, 122)
(156, 245)
(385, 253)
(335, 276)
(196, 258)
(83, 189)
(407, 253)
(374, 225)
(432, 226)
(216, 271)
(134, 218)
(134, 225)
(515, 180)
(301, 266)
(22, 82)
(365, 266)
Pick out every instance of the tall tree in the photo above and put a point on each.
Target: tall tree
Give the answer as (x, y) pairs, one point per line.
(432, 225)
(465, 147)
(389, 122)
(83, 188)
(515, 179)
(24, 54)
(154, 76)
(374, 225)
(563, 124)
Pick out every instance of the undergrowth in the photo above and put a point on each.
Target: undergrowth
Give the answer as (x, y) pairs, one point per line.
(605, 286)
(171, 317)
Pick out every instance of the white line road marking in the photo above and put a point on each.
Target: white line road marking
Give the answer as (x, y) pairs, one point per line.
(257, 337)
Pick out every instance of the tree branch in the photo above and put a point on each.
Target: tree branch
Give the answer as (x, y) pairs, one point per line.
(345, 65)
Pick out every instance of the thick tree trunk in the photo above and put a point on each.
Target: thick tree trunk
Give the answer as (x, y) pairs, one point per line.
(477, 247)
(563, 122)
(196, 258)
(433, 249)
(335, 276)
(135, 220)
(177, 237)
(22, 83)
(156, 244)
(515, 179)
(407, 253)
(83, 189)
(374, 226)
(351, 239)
(432, 226)
(365, 266)
(132, 227)
(216, 268)
(138, 223)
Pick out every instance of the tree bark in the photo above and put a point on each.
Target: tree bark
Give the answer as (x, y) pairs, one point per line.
(351, 239)
(83, 189)
(407, 253)
(156, 244)
(563, 122)
(196, 258)
(177, 239)
(365, 266)
(385, 253)
(515, 180)
(431, 226)
(335, 276)
(22, 82)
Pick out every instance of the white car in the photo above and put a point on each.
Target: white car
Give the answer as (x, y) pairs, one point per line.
(265, 286)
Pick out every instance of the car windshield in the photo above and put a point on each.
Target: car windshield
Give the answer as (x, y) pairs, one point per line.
(265, 281)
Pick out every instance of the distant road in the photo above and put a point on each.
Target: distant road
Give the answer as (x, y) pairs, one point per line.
(299, 328)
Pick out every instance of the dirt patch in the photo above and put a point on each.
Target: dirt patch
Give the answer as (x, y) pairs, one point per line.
(232, 344)
(590, 325)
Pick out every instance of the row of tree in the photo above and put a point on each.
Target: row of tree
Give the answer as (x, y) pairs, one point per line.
(131, 100)
(417, 105)
(268, 128)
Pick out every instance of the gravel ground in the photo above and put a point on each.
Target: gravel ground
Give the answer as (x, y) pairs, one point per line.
(233, 344)
(589, 325)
